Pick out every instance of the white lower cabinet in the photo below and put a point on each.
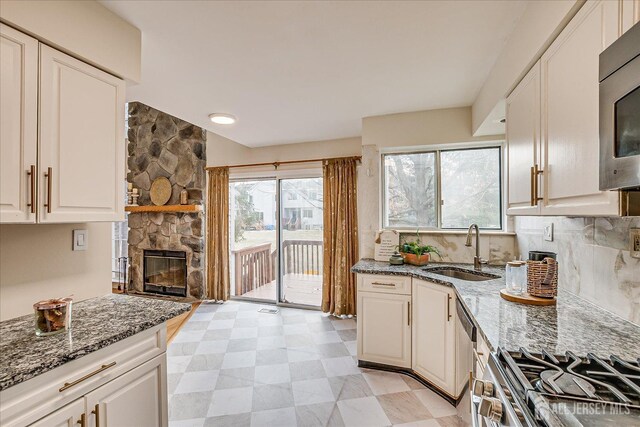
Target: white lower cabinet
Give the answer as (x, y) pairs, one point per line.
(136, 398)
(385, 336)
(121, 385)
(413, 326)
(67, 416)
(434, 334)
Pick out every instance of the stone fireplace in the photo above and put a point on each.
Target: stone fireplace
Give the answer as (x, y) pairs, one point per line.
(166, 248)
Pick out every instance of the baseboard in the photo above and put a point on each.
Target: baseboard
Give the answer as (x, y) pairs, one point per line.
(409, 372)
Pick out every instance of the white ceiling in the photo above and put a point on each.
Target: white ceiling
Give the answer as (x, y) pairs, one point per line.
(310, 70)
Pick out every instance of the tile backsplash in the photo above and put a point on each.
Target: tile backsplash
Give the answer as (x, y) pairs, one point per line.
(594, 258)
(497, 248)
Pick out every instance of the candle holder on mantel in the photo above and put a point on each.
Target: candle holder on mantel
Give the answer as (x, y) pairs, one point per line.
(134, 197)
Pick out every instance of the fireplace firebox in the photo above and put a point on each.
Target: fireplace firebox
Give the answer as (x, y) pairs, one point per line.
(165, 272)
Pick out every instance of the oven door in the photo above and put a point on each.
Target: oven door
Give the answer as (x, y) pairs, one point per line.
(620, 128)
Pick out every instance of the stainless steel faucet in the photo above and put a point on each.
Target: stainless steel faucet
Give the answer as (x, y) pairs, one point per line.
(477, 261)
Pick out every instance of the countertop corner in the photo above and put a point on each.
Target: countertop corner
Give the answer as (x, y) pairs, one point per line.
(95, 324)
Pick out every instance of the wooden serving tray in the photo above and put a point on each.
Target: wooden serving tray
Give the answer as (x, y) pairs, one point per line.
(527, 299)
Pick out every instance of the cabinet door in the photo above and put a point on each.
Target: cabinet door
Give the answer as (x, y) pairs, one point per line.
(630, 14)
(81, 141)
(570, 135)
(434, 334)
(18, 125)
(67, 416)
(523, 144)
(384, 331)
(137, 398)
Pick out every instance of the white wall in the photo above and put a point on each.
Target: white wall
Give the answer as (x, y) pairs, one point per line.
(420, 128)
(84, 29)
(539, 25)
(222, 151)
(36, 263)
(412, 131)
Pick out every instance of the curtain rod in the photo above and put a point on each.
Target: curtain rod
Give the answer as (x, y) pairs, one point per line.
(286, 162)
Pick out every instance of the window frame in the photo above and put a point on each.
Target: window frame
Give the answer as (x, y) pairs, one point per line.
(437, 150)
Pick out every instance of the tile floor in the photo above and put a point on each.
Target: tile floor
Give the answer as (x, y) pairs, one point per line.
(232, 366)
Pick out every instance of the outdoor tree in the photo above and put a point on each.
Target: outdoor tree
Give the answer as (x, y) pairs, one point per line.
(411, 190)
(246, 215)
(470, 189)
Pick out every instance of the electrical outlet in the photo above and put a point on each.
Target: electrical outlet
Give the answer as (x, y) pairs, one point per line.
(634, 239)
(548, 232)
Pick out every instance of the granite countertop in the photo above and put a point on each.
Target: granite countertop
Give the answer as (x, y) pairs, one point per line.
(96, 323)
(572, 325)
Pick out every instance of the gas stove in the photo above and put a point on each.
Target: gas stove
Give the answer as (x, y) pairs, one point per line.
(540, 389)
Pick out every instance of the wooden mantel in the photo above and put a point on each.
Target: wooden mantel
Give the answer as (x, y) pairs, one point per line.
(165, 208)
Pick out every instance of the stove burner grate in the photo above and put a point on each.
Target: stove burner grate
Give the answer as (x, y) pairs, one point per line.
(569, 384)
(570, 376)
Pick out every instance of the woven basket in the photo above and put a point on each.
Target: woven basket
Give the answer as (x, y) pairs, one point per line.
(542, 278)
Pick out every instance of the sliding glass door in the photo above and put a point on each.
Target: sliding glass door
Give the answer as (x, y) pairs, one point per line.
(301, 241)
(253, 261)
(276, 240)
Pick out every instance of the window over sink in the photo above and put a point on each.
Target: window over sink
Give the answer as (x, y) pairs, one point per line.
(443, 189)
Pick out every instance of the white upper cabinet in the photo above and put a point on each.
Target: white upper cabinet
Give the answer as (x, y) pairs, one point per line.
(81, 141)
(630, 14)
(523, 148)
(18, 126)
(553, 118)
(61, 136)
(570, 115)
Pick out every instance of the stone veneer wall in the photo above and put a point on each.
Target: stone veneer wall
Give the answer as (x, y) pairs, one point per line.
(594, 259)
(163, 145)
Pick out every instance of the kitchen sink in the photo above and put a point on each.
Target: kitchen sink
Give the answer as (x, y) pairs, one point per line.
(468, 275)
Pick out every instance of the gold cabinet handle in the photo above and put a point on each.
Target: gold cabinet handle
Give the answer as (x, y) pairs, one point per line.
(49, 176)
(96, 412)
(32, 178)
(448, 308)
(82, 421)
(393, 285)
(79, 380)
(533, 186)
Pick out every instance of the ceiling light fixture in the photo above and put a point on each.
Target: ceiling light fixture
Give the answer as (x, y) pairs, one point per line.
(222, 119)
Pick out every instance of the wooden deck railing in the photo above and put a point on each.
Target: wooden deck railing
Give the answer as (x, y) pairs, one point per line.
(253, 268)
(256, 266)
(302, 257)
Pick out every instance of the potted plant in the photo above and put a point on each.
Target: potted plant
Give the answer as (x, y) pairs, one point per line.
(415, 253)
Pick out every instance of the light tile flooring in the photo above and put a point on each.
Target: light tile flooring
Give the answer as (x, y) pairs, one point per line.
(232, 366)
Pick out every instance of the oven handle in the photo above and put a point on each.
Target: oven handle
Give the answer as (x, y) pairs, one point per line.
(493, 371)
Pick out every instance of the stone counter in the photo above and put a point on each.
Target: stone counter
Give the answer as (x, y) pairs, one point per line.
(572, 325)
(96, 323)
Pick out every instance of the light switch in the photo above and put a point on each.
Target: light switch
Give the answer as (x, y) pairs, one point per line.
(80, 240)
(548, 232)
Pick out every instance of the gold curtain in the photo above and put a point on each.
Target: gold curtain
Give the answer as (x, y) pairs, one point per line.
(218, 235)
(340, 236)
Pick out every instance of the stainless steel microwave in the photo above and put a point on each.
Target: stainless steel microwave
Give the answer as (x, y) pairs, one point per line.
(620, 113)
